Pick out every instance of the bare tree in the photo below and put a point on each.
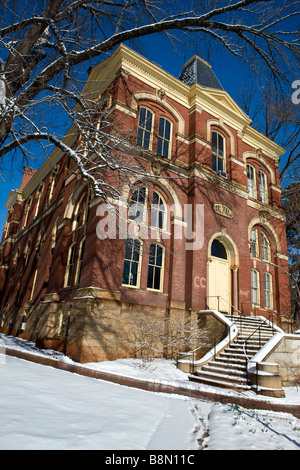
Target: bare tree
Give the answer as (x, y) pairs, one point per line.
(44, 43)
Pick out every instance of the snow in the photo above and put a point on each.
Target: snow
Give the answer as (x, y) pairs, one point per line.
(42, 407)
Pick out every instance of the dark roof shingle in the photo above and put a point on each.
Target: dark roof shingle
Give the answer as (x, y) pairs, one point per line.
(197, 70)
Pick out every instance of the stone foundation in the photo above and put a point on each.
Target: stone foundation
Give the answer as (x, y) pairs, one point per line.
(91, 327)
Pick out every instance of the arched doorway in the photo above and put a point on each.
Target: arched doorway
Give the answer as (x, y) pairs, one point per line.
(219, 280)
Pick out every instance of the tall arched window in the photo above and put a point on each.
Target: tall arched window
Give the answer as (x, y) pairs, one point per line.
(265, 248)
(132, 262)
(144, 132)
(26, 211)
(158, 211)
(70, 265)
(251, 180)
(255, 294)
(155, 267)
(164, 137)
(79, 262)
(38, 198)
(80, 212)
(268, 290)
(218, 153)
(263, 188)
(137, 205)
(27, 252)
(254, 248)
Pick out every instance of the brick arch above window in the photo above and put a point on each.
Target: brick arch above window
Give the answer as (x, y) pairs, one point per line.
(218, 126)
(168, 192)
(260, 164)
(147, 96)
(78, 191)
(270, 232)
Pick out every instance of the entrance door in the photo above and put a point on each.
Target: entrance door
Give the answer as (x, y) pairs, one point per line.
(219, 295)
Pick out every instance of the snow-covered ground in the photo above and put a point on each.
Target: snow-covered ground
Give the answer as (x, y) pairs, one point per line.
(45, 408)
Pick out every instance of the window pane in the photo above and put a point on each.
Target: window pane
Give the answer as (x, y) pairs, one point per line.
(214, 163)
(214, 142)
(262, 187)
(218, 250)
(137, 205)
(253, 243)
(161, 127)
(164, 137)
(254, 287)
(144, 128)
(131, 262)
(220, 145)
(167, 130)
(155, 266)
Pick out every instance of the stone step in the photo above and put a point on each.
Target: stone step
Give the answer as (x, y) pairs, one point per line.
(226, 366)
(219, 383)
(222, 377)
(229, 371)
(229, 368)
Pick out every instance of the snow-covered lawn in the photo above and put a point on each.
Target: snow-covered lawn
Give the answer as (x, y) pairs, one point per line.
(45, 408)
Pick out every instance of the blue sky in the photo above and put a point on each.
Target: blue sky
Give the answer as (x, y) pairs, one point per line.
(230, 71)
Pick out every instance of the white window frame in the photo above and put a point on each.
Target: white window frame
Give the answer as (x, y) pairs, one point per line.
(70, 265)
(163, 138)
(268, 290)
(263, 186)
(251, 182)
(265, 247)
(137, 210)
(255, 288)
(79, 261)
(142, 129)
(131, 261)
(217, 153)
(156, 267)
(254, 243)
(158, 211)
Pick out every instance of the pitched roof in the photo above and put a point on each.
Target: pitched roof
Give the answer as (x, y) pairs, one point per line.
(197, 70)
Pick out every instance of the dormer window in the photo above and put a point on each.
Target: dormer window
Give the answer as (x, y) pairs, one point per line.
(218, 153)
(144, 133)
(164, 137)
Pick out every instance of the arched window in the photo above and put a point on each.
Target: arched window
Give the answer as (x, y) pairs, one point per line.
(26, 211)
(254, 248)
(27, 252)
(158, 211)
(132, 262)
(164, 137)
(263, 188)
(144, 132)
(255, 295)
(137, 205)
(38, 198)
(80, 212)
(70, 265)
(265, 248)
(155, 267)
(218, 250)
(218, 153)
(251, 180)
(80, 259)
(268, 291)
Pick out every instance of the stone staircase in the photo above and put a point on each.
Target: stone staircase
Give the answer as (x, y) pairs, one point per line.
(229, 368)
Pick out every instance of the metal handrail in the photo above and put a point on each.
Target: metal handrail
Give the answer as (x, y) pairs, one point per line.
(259, 336)
(225, 300)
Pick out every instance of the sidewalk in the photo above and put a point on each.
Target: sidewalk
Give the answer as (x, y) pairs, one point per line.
(238, 399)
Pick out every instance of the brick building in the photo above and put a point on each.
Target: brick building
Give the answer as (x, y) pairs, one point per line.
(65, 287)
